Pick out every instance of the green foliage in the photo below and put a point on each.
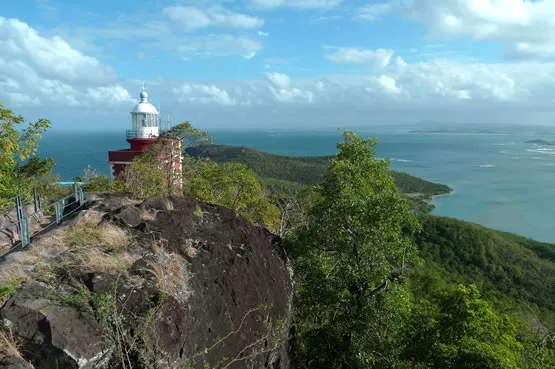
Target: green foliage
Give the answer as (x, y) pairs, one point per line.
(188, 135)
(231, 185)
(79, 297)
(348, 259)
(455, 328)
(8, 288)
(17, 146)
(95, 182)
(76, 237)
(290, 174)
(146, 177)
(506, 268)
(300, 170)
(412, 184)
(305, 170)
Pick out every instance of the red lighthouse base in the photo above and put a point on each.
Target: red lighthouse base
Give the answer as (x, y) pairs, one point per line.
(119, 159)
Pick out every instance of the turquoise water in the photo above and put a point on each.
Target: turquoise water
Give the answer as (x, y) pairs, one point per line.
(499, 180)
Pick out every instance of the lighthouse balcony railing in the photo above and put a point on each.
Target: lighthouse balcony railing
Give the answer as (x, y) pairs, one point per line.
(130, 134)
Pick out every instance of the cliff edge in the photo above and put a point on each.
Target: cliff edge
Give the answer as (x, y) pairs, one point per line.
(164, 283)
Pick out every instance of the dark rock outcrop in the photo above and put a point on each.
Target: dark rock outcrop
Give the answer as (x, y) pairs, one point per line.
(206, 288)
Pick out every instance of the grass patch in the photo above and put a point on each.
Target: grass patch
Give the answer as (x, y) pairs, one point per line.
(95, 259)
(169, 205)
(168, 271)
(198, 212)
(82, 234)
(113, 236)
(8, 288)
(9, 347)
(146, 216)
(79, 298)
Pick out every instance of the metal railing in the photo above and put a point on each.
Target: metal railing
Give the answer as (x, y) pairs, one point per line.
(59, 209)
(129, 134)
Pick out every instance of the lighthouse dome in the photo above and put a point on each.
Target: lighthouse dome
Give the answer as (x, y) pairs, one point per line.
(144, 106)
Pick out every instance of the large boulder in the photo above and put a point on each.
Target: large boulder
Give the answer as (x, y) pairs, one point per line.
(207, 288)
(54, 334)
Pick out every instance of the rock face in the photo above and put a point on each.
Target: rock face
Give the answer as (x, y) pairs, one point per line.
(202, 288)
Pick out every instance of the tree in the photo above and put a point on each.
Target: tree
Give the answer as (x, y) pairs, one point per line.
(188, 135)
(96, 182)
(153, 172)
(350, 261)
(455, 329)
(16, 146)
(144, 177)
(293, 206)
(231, 185)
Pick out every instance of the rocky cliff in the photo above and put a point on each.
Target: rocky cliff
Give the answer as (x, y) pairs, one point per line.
(164, 283)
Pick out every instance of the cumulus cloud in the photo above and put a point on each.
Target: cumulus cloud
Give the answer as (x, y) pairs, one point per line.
(353, 55)
(279, 80)
(282, 91)
(71, 78)
(389, 84)
(38, 70)
(51, 57)
(525, 27)
(297, 4)
(109, 95)
(202, 94)
(193, 17)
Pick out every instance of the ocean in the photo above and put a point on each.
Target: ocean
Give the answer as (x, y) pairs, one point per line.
(499, 180)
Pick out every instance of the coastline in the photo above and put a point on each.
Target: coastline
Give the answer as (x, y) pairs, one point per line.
(442, 195)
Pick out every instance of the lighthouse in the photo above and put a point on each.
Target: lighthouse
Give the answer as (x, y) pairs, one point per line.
(146, 129)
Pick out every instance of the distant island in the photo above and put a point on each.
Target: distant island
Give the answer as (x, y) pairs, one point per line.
(542, 142)
(461, 131)
(477, 128)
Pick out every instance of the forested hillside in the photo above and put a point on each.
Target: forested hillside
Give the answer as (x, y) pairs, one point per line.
(291, 170)
(516, 273)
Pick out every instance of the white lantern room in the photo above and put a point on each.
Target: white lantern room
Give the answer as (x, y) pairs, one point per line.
(145, 119)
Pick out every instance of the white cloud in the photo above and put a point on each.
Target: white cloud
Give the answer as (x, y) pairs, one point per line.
(389, 84)
(279, 80)
(50, 57)
(353, 55)
(37, 70)
(296, 4)
(65, 77)
(194, 17)
(282, 91)
(109, 95)
(263, 34)
(203, 94)
(526, 28)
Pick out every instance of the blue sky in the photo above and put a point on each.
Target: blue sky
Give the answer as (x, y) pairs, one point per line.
(254, 62)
